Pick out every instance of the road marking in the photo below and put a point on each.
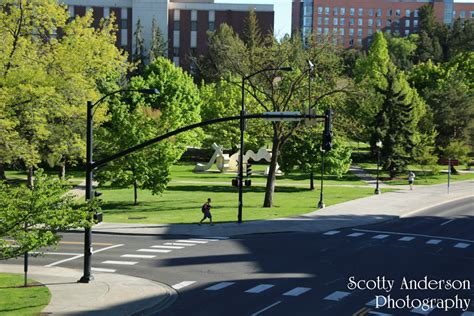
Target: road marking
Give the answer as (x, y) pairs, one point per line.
(433, 241)
(337, 296)
(417, 235)
(461, 245)
(447, 222)
(82, 243)
(355, 235)
(138, 256)
(178, 244)
(205, 239)
(406, 238)
(55, 253)
(332, 232)
(259, 288)
(220, 238)
(266, 308)
(381, 236)
(182, 284)
(168, 247)
(219, 286)
(124, 263)
(79, 256)
(297, 291)
(154, 250)
(361, 311)
(419, 310)
(103, 270)
(193, 241)
(371, 303)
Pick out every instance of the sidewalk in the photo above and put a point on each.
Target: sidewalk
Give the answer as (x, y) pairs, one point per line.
(109, 294)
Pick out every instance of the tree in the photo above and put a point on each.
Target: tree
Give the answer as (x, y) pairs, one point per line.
(33, 217)
(158, 45)
(302, 153)
(274, 91)
(139, 56)
(457, 150)
(402, 50)
(138, 118)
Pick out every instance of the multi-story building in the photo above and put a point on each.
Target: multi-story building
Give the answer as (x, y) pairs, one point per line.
(353, 23)
(184, 23)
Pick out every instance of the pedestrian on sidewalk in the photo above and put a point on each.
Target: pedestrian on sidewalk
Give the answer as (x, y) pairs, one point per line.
(206, 210)
(411, 179)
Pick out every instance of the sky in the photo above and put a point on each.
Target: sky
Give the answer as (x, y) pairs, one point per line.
(282, 13)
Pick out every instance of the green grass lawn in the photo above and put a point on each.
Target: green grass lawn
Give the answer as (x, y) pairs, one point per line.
(19, 176)
(18, 300)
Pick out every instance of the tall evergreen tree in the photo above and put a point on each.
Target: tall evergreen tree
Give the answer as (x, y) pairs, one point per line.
(158, 44)
(139, 55)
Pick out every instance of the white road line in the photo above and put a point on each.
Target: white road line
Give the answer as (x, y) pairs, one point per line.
(79, 256)
(355, 235)
(178, 244)
(55, 253)
(219, 286)
(406, 238)
(205, 239)
(420, 311)
(447, 222)
(138, 256)
(168, 247)
(103, 270)
(433, 241)
(259, 288)
(337, 296)
(123, 263)
(380, 236)
(154, 250)
(182, 284)
(332, 232)
(461, 245)
(417, 235)
(297, 291)
(371, 303)
(193, 241)
(266, 308)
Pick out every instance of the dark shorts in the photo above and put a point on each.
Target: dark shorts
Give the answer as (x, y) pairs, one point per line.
(207, 215)
(410, 181)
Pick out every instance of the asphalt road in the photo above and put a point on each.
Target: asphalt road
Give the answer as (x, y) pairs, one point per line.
(301, 273)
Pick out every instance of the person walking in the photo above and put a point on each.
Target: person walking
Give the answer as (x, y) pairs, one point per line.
(206, 210)
(411, 179)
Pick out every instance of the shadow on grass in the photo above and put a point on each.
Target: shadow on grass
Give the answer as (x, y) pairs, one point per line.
(229, 188)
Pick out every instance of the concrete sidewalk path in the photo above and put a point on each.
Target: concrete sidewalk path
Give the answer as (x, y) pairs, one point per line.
(357, 212)
(109, 293)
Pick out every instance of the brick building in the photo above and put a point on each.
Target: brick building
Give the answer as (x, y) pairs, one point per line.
(352, 23)
(184, 23)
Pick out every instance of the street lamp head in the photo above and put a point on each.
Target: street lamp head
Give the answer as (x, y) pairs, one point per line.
(149, 91)
(378, 144)
(285, 68)
(311, 65)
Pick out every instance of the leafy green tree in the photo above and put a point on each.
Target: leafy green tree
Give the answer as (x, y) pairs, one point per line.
(158, 45)
(140, 118)
(402, 50)
(374, 67)
(457, 150)
(302, 154)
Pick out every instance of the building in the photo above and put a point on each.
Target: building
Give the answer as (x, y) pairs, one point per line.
(352, 23)
(184, 22)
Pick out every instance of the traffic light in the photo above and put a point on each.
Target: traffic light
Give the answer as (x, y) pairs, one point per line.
(327, 141)
(327, 134)
(235, 182)
(249, 170)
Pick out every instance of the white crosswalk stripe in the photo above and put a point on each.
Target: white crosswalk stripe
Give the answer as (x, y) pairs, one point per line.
(178, 244)
(259, 288)
(355, 234)
(406, 238)
(297, 291)
(332, 232)
(219, 286)
(420, 311)
(337, 296)
(205, 239)
(381, 236)
(182, 284)
(461, 245)
(138, 256)
(168, 247)
(124, 263)
(154, 250)
(103, 270)
(433, 241)
(192, 241)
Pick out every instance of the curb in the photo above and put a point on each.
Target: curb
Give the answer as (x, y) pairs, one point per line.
(171, 297)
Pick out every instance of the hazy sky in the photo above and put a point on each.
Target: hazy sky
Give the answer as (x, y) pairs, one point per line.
(282, 13)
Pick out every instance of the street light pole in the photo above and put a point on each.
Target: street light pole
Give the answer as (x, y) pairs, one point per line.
(87, 276)
(321, 201)
(379, 146)
(242, 130)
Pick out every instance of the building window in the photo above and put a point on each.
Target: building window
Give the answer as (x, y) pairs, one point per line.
(379, 12)
(335, 21)
(462, 14)
(472, 14)
(308, 8)
(351, 32)
(320, 10)
(396, 23)
(326, 30)
(341, 32)
(359, 32)
(342, 21)
(407, 13)
(351, 42)
(370, 22)
(360, 12)
(343, 11)
(327, 10)
(175, 51)
(334, 30)
(320, 20)
(360, 22)
(389, 22)
(389, 12)
(379, 22)
(211, 26)
(319, 30)
(326, 21)
(334, 11)
(194, 25)
(407, 23)
(398, 12)
(176, 26)
(407, 32)
(371, 12)
(415, 13)
(351, 21)
(415, 23)
(370, 32)
(123, 24)
(351, 11)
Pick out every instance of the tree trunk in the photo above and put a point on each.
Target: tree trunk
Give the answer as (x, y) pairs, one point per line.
(311, 180)
(135, 196)
(30, 177)
(2, 171)
(62, 171)
(271, 179)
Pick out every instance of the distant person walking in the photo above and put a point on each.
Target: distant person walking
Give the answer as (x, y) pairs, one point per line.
(206, 210)
(411, 179)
